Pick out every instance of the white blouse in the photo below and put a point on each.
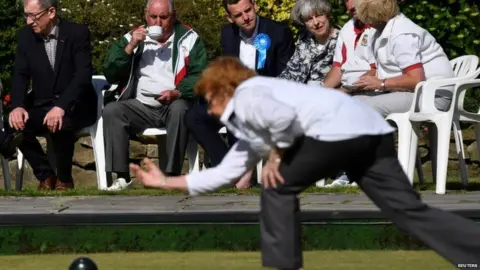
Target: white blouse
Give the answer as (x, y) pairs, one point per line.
(270, 112)
(403, 46)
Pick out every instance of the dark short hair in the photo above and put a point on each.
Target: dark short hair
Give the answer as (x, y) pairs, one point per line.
(231, 2)
(48, 3)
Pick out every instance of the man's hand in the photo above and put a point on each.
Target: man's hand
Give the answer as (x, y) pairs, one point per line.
(369, 82)
(138, 36)
(168, 96)
(17, 118)
(54, 119)
(152, 177)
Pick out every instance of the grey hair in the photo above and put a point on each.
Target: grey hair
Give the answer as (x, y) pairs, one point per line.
(304, 8)
(171, 6)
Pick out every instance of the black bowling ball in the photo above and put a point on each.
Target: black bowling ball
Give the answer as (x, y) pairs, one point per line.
(83, 264)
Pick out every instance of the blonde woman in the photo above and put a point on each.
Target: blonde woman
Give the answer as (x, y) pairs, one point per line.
(310, 135)
(405, 55)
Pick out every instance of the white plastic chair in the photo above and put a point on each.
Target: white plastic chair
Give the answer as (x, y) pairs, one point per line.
(192, 147)
(464, 68)
(158, 132)
(443, 121)
(95, 131)
(461, 115)
(404, 129)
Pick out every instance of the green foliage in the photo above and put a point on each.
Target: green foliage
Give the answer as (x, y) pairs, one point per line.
(207, 23)
(94, 239)
(454, 23)
(10, 18)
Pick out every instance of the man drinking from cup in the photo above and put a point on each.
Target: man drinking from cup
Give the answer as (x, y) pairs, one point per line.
(155, 67)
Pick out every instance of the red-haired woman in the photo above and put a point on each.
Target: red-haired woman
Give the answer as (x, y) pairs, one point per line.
(309, 135)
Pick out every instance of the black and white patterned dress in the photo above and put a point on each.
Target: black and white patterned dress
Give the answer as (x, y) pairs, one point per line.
(309, 63)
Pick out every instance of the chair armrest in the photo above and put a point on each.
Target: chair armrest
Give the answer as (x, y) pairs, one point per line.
(460, 90)
(416, 96)
(426, 101)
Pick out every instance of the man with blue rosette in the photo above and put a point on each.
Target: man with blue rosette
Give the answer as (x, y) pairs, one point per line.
(262, 45)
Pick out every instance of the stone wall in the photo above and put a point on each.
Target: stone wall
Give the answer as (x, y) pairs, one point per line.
(84, 173)
(84, 170)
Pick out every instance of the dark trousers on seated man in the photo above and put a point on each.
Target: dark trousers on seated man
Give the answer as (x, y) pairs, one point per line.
(63, 148)
(124, 119)
(204, 128)
(53, 172)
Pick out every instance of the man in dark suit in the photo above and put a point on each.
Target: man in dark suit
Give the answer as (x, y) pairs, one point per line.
(55, 55)
(262, 45)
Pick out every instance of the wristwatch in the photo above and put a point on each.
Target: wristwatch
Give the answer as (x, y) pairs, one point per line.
(383, 85)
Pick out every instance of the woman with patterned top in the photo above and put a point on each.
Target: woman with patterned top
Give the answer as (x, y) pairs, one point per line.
(313, 55)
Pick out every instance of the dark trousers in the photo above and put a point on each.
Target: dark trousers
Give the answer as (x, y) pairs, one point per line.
(63, 146)
(371, 161)
(3, 135)
(204, 128)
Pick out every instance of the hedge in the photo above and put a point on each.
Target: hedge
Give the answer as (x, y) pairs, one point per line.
(453, 22)
(208, 237)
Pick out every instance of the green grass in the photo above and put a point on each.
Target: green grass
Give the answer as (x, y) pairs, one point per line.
(348, 260)
(453, 186)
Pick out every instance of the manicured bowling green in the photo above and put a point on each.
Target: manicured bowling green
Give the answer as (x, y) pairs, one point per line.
(354, 260)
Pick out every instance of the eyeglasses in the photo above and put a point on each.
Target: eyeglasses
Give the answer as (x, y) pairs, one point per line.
(35, 16)
(162, 17)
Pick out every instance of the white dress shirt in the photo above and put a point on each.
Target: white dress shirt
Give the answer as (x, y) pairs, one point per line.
(248, 52)
(263, 113)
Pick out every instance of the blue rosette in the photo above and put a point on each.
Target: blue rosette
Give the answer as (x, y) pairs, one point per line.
(262, 43)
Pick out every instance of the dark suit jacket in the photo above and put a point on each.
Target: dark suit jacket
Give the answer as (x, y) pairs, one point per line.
(68, 85)
(281, 49)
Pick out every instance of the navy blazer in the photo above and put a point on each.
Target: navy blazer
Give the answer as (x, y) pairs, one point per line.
(281, 49)
(68, 85)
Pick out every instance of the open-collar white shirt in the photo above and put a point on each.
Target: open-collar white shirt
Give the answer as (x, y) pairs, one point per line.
(263, 113)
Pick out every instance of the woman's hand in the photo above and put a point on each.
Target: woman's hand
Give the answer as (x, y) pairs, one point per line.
(244, 181)
(369, 82)
(271, 174)
(152, 177)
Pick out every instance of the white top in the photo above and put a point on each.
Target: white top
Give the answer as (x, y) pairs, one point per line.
(155, 71)
(263, 113)
(353, 51)
(403, 46)
(248, 53)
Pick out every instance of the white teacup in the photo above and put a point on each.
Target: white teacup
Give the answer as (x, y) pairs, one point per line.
(155, 32)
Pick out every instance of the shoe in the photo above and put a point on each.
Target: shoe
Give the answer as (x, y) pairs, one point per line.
(338, 183)
(48, 184)
(341, 181)
(62, 186)
(10, 144)
(119, 184)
